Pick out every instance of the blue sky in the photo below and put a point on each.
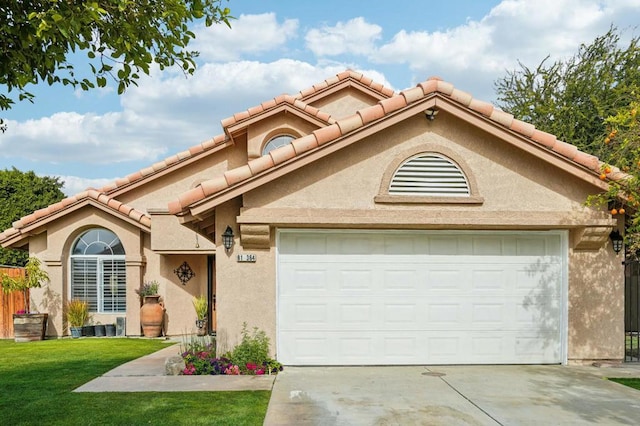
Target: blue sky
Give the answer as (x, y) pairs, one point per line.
(283, 46)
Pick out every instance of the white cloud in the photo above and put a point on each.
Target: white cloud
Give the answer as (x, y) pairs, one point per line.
(475, 54)
(76, 184)
(355, 36)
(250, 34)
(89, 138)
(165, 114)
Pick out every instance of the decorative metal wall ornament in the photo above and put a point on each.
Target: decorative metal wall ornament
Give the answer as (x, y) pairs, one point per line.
(184, 273)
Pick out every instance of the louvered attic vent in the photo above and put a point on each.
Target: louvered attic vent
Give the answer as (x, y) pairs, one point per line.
(430, 175)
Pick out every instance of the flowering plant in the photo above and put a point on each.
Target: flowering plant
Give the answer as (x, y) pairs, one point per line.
(149, 288)
(248, 358)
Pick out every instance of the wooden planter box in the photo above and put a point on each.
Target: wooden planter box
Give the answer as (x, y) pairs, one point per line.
(29, 327)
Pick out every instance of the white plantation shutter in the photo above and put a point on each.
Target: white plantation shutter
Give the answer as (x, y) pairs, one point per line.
(432, 175)
(114, 287)
(84, 278)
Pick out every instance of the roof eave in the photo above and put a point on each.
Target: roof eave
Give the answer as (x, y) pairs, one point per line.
(38, 226)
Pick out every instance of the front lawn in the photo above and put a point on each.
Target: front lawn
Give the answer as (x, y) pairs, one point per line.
(37, 379)
(631, 382)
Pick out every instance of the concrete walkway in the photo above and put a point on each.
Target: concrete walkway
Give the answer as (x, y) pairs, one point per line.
(146, 374)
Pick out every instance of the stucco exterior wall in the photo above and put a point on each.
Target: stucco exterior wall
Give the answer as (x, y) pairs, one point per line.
(508, 180)
(344, 103)
(180, 315)
(157, 193)
(596, 306)
(245, 291)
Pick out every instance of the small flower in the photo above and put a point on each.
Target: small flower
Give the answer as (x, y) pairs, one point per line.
(259, 372)
(251, 366)
(234, 370)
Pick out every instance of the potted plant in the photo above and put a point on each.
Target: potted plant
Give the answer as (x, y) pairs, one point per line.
(200, 305)
(100, 329)
(152, 310)
(27, 325)
(110, 330)
(77, 314)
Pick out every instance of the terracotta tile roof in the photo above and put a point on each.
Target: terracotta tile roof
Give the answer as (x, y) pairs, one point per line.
(90, 195)
(429, 88)
(168, 163)
(345, 75)
(274, 103)
(297, 101)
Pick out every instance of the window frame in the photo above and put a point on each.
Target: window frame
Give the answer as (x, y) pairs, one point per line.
(274, 137)
(384, 197)
(98, 264)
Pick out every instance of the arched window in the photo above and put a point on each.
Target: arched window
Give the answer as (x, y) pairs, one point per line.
(277, 142)
(431, 175)
(98, 274)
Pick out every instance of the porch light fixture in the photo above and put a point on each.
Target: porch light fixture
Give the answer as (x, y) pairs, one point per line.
(616, 241)
(227, 239)
(431, 113)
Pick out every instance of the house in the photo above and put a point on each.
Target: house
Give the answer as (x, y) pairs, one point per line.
(367, 227)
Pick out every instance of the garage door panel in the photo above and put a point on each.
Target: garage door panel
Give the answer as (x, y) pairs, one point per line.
(419, 298)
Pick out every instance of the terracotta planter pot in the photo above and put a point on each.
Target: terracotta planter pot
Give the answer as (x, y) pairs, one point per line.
(29, 327)
(152, 316)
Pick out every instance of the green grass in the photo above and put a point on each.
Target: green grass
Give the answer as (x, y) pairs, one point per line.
(631, 382)
(36, 380)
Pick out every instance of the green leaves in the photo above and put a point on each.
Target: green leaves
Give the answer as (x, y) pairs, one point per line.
(592, 101)
(127, 35)
(571, 99)
(21, 193)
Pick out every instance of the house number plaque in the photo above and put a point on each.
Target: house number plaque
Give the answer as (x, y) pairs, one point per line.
(248, 258)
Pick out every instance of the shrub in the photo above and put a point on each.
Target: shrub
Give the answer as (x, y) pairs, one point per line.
(251, 356)
(77, 312)
(149, 288)
(252, 351)
(200, 305)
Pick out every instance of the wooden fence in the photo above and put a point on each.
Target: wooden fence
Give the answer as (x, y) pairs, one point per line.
(9, 303)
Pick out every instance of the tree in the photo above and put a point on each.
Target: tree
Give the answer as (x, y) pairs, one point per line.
(622, 144)
(121, 38)
(573, 98)
(21, 193)
(591, 100)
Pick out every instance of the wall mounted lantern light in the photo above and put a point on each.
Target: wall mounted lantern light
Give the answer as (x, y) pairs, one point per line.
(227, 239)
(431, 113)
(616, 241)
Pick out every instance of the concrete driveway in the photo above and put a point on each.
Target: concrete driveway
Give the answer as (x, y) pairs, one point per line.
(453, 395)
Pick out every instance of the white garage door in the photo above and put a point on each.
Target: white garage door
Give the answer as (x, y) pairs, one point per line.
(375, 298)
